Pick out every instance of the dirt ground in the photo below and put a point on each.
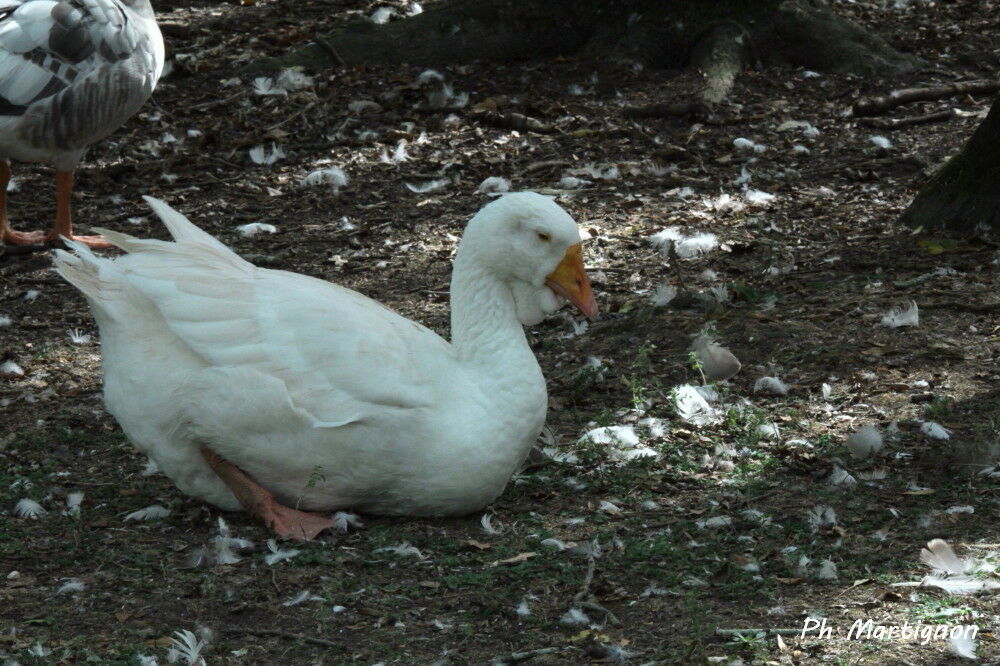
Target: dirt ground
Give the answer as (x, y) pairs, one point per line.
(804, 279)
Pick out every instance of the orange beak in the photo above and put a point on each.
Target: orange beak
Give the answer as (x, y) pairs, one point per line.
(569, 280)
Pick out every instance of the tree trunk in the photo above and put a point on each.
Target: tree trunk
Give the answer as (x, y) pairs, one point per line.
(964, 195)
(656, 32)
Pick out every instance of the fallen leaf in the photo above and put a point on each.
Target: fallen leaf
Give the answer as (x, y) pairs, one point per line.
(478, 545)
(789, 581)
(521, 557)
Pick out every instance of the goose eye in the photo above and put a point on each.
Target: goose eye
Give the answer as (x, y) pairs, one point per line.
(544, 237)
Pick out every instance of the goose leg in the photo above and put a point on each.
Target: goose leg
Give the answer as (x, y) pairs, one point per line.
(7, 235)
(64, 220)
(260, 503)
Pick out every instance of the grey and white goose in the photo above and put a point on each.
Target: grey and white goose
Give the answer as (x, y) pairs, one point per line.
(71, 73)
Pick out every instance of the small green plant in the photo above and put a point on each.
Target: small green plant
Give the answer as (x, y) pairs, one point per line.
(940, 407)
(315, 477)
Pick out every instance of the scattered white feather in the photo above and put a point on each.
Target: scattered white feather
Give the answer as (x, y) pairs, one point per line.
(522, 609)
(78, 337)
(301, 598)
(185, 645)
(799, 149)
(759, 197)
(827, 570)
(32, 295)
(29, 508)
(725, 204)
(692, 407)
(265, 85)
(73, 503)
(685, 246)
(598, 171)
(958, 585)
(294, 79)
(821, 516)
(381, 15)
(278, 554)
(935, 430)
(865, 441)
(223, 545)
(38, 650)
(343, 521)
(907, 314)
(361, 107)
(5, 321)
(717, 362)
(72, 585)
(255, 228)
(150, 468)
(663, 294)
(494, 185)
(414, 8)
(714, 522)
(334, 177)
(841, 477)
(769, 431)
(963, 646)
(555, 544)
(771, 385)
(261, 154)
(609, 507)
(575, 616)
(572, 182)
(811, 132)
(874, 475)
(793, 125)
(399, 154)
(402, 550)
(955, 510)
(429, 76)
(938, 555)
(622, 442)
(881, 142)
(693, 246)
(744, 145)
(152, 512)
(9, 367)
(487, 523)
(428, 185)
(656, 426)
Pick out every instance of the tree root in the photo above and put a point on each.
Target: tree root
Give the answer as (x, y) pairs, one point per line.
(873, 106)
(896, 123)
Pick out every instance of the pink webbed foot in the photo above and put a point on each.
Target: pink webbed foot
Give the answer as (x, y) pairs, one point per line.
(11, 237)
(94, 242)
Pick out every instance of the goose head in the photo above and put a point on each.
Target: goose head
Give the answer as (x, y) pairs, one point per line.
(532, 246)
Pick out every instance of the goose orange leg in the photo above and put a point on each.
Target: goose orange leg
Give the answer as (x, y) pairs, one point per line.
(7, 235)
(260, 503)
(64, 220)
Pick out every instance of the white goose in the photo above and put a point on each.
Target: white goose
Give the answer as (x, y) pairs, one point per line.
(71, 73)
(262, 389)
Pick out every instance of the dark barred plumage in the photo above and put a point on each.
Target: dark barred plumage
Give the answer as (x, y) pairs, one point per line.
(74, 70)
(71, 73)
